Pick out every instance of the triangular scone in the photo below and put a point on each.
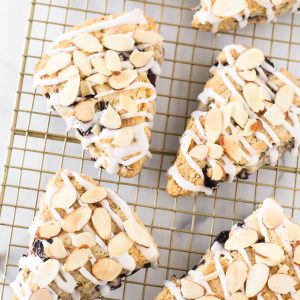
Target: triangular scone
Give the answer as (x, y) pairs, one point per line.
(257, 259)
(84, 239)
(220, 15)
(100, 77)
(248, 116)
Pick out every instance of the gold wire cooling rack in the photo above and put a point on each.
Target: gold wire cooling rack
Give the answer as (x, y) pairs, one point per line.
(183, 227)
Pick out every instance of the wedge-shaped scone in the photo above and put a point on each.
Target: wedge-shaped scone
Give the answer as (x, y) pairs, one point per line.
(256, 259)
(84, 239)
(220, 15)
(248, 116)
(100, 77)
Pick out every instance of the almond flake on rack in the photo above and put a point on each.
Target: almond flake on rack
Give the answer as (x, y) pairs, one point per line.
(113, 61)
(86, 88)
(110, 118)
(284, 98)
(268, 253)
(124, 137)
(118, 42)
(264, 94)
(248, 75)
(213, 124)
(239, 114)
(46, 272)
(68, 72)
(190, 289)
(85, 110)
(102, 222)
(122, 80)
(281, 283)
(77, 219)
(95, 194)
(274, 115)
(251, 126)
(272, 218)
(82, 62)
(256, 279)
(238, 296)
(199, 152)
(96, 129)
(99, 65)
(70, 91)
(283, 269)
(292, 232)
(296, 254)
(84, 238)
(57, 249)
(87, 42)
(128, 104)
(236, 275)
(249, 59)
(215, 151)
(57, 62)
(228, 8)
(65, 197)
(97, 78)
(77, 259)
(106, 269)
(251, 94)
(231, 147)
(137, 232)
(241, 238)
(119, 244)
(49, 229)
(147, 37)
(139, 58)
(41, 294)
(217, 172)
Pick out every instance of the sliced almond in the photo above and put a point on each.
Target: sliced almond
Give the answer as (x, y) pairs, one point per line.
(272, 218)
(46, 272)
(281, 283)
(110, 118)
(99, 65)
(95, 194)
(96, 129)
(264, 94)
(215, 151)
(87, 42)
(199, 152)
(271, 254)
(139, 58)
(147, 37)
(49, 229)
(231, 147)
(283, 269)
(274, 115)
(292, 232)
(118, 42)
(65, 197)
(102, 222)
(82, 62)
(217, 172)
(77, 259)
(84, 239)
(190, 289)
(85, 110)
(249, 59)
(113, 61)
(213, 124)
(57, 62)
(124, 137)
(137, 232)
(128, 104)
(239, 114)
(296, 254)
(68, 72)
(284, 98)
(106, 269)
(41, 294)
(228, 8)
(97, 78)
(77, 219)
(238, 296)
(209, 297)
(250, 125)
(70, 91)
(241, 238)
(251, 94)
(119, 244)
(122, 80)
(86, 88)
(256, 279)
(236, 275)
(296, 295)
(57, 249)
(248, 75)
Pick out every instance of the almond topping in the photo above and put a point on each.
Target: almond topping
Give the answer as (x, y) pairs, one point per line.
(283, 269)
(199, 152)
(284, 98)
(106, 269)
(85, 110)
(87, 42)
(264, 94)
(99, 65)
(49, 229)
(271, 254)
(209, 297)
(95, 194)
(46, 272)
(97, 78)
(217, 171)
(296, 255)
(238, 296)
(250, 59)
(70, 91)
(248, 130)
(84, 238)
(96, 129)
(241, 238)
(256, 279)
(110, 118)
(213, 124)
(113, 61)
(274, 115)
(292, 232)
(137, 232)
(231, 147)
(57, 249)
(251, 94)
(147, 37)
(118, 42)
(122, 80)
(236, 275)
(214, 151)
(272, 218)
(102, 222)
(41, 294)
(228, 8)
(57, 62)
(86, 88)
(139, 58)
(77, 219)
(65, 197)
(82, 62)
(68, 72)
(119, 244)
(248, 75)
(281, 283)
(190, 289)
(124, 137)
(77, 259)
(239, 114)
(128, 104)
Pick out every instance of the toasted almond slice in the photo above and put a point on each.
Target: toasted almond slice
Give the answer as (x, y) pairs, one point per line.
(82, 62)
(118, 42)
(296, 254)
(209, 297)
(49, 229)
(122, 80)
(87, 42)
(106, 269)
(217, 172)
(97, 78)
(86, 88)
(137, 232)
(46, 272)
(264, 94)
(139, 58)
(292, 232)
(68, 72)
(77, 219)
(250, 59)
(41, 294)
(199, 152)
(82, 239)
(226, 115)
(110, 118)
(124, 137)
(272, 254)
(113, 61)
(296, 296)
(147, 37)
(277, 2)
(250, 125)
(126, 64)
(236, 275)
(214, 151)
(231, 147)
(241, 238)
(283, 269)
(65, 197)
(256, 279)
(213, 124)
(238, 296)
(248, 75)
(190, 289)
(102, 222)
(284, 98)
(273, 217)
(95, 194)
(228, 8)
(96, 129)
(239, 114)
(70, 91)
(119, 244)
(99, 65)
(281, 283)
(57, 62)
(85, 110)
(57, 249)
(274, 115)
(128, 104)
(251, 94)
(77, 259)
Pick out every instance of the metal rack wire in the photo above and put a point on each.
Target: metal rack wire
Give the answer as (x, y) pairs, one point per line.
(183, 227)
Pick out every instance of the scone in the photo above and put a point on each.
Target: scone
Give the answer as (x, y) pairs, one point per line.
(256, 259)
(100, 77)
(248, 116)
(221, 15)
(84, 239)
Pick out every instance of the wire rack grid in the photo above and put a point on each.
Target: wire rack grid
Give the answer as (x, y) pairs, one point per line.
(183, 227)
